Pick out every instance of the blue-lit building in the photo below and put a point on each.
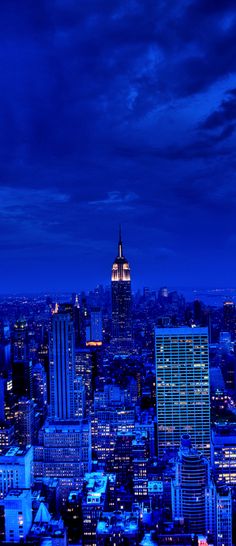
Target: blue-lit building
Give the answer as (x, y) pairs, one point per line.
(182, 388)
(121, 301)
(193, 493)
(62, 366)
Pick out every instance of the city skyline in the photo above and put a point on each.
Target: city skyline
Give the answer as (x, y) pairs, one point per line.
(117, 278)
(111, 114)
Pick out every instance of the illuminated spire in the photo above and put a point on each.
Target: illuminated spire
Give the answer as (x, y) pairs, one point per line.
(120, 268)
(120, 249)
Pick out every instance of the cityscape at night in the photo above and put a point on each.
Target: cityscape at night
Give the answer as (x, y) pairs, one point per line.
(117, 277)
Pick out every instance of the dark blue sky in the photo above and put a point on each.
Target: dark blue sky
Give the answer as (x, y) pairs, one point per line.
(111, 112)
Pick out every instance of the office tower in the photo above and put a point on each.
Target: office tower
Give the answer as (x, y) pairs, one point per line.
(122, 464)
(18, 515)
(95, 330)
(182, 386)
(225, 342)
(39, 383)
(22, 378)
(223, 517)
(74, 310)
(80, 397)
(20, 341)
(140, 459)
(15, 469)
(85, 367)
(62, 366)
(83, 320)
(224, 450)
(197, 312)
(64, 452)
(112, 414)
(193, 493)
(24, 415)
(121, 298)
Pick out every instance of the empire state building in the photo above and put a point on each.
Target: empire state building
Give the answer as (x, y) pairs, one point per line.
(121, 298)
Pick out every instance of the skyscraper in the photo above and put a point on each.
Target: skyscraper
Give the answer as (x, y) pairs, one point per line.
(193, 492)
(121, 297)
(20, 341)
(62, 366)
(182, 386)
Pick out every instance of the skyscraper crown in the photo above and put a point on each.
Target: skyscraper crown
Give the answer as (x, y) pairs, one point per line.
(120, 268)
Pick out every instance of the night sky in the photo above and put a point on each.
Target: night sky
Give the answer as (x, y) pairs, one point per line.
(117, 111)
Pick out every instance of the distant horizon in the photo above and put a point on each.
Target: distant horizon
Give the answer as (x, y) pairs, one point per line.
(210, 290)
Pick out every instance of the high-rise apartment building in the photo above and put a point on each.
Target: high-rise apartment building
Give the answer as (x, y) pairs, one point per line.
(62, 366)
(182, 386)
(121, 297)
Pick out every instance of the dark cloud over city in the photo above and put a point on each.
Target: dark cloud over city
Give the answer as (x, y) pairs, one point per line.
(117, 112)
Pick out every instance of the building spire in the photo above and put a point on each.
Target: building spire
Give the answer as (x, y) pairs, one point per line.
(120, 249)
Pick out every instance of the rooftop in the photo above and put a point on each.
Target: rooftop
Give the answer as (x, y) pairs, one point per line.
(15, 451)
(17, 493)
(96, 484)
(181, 331)
(124, 522)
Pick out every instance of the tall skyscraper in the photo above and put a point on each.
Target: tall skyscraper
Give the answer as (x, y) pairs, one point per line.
(20, 341)
(62, 366)
(192, 490)
(121, 297)
(182, 386)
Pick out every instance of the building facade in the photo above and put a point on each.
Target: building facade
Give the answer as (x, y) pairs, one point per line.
(182, 388)
(193, 493)
(62, 367)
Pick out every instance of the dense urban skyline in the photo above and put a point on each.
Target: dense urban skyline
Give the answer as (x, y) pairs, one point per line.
(117, 112)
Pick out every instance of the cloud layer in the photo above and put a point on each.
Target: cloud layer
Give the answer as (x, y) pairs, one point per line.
(117, 112)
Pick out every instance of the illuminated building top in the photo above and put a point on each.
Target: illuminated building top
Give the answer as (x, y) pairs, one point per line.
(120, 268)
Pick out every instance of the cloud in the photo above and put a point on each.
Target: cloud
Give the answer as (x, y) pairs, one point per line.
(115, 109)
(224, 117)
(117, 201)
